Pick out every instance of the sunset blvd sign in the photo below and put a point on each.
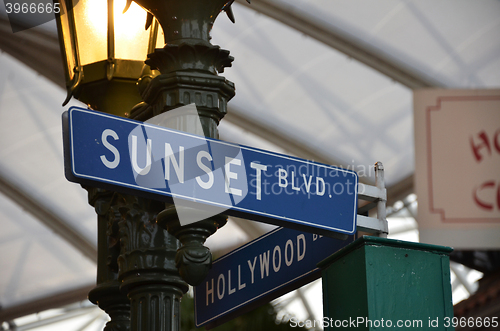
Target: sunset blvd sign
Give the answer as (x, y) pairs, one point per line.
(164, 164)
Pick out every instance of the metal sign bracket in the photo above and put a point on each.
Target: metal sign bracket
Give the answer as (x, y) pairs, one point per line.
(376, 196)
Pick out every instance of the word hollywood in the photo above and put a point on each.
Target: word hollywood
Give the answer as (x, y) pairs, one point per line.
(276, 263)
(256, 269)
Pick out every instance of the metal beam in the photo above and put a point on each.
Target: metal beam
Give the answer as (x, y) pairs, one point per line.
(341, 41)
(400, 190)
(34, 47)
(462, 272)
(56, 300)
(48, 217)
(92, 312)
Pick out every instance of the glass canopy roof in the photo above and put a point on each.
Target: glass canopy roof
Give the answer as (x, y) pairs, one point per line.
(325, 80)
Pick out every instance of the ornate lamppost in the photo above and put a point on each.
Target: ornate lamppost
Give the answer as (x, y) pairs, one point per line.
(146, 258)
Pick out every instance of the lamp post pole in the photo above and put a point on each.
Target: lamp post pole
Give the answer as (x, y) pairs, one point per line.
(146, 259)
(150, 270)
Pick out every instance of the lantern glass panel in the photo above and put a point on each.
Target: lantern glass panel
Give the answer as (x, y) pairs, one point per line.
(70, 56)
(91, 20)
(131, 38)
(160, 40)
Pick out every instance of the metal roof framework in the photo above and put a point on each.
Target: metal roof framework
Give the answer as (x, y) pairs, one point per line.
(47, 62)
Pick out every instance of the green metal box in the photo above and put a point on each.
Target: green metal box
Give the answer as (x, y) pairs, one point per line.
(378, 283)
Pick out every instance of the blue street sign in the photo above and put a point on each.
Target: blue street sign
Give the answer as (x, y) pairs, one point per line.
(164, 164)
(260, 271)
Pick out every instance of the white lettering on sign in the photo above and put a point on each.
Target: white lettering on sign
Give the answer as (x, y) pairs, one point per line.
(141, 171)
(282, 174)
(307, 184)
(315, 237)
(293, 251)
(208, 184)
(283, 182)
(104, 138)
(252, 267)
(177, 164)
(221, 288)
(276, 268)
(301, 238)
(135, 164)
(318, 180)
(259, 168)
(231, 290)
(231, 175)
(210, 292)
(175, 158)
(296, 188)
(264, 264)
(240, 285)
(289, 251)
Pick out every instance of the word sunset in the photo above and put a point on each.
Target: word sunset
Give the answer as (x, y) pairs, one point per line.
(160, 163)
(273, 264)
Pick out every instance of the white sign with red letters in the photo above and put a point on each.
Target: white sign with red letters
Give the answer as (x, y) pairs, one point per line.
(457, 176)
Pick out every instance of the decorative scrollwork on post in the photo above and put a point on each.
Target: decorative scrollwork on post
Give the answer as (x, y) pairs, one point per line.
(193, 259)
(146, 265)
(107, 293)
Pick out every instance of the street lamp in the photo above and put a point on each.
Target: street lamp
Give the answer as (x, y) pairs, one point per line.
(104, 45)
(145, 257)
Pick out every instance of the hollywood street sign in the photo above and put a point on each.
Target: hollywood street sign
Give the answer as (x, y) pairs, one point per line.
(164, 164)
(260, 271)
